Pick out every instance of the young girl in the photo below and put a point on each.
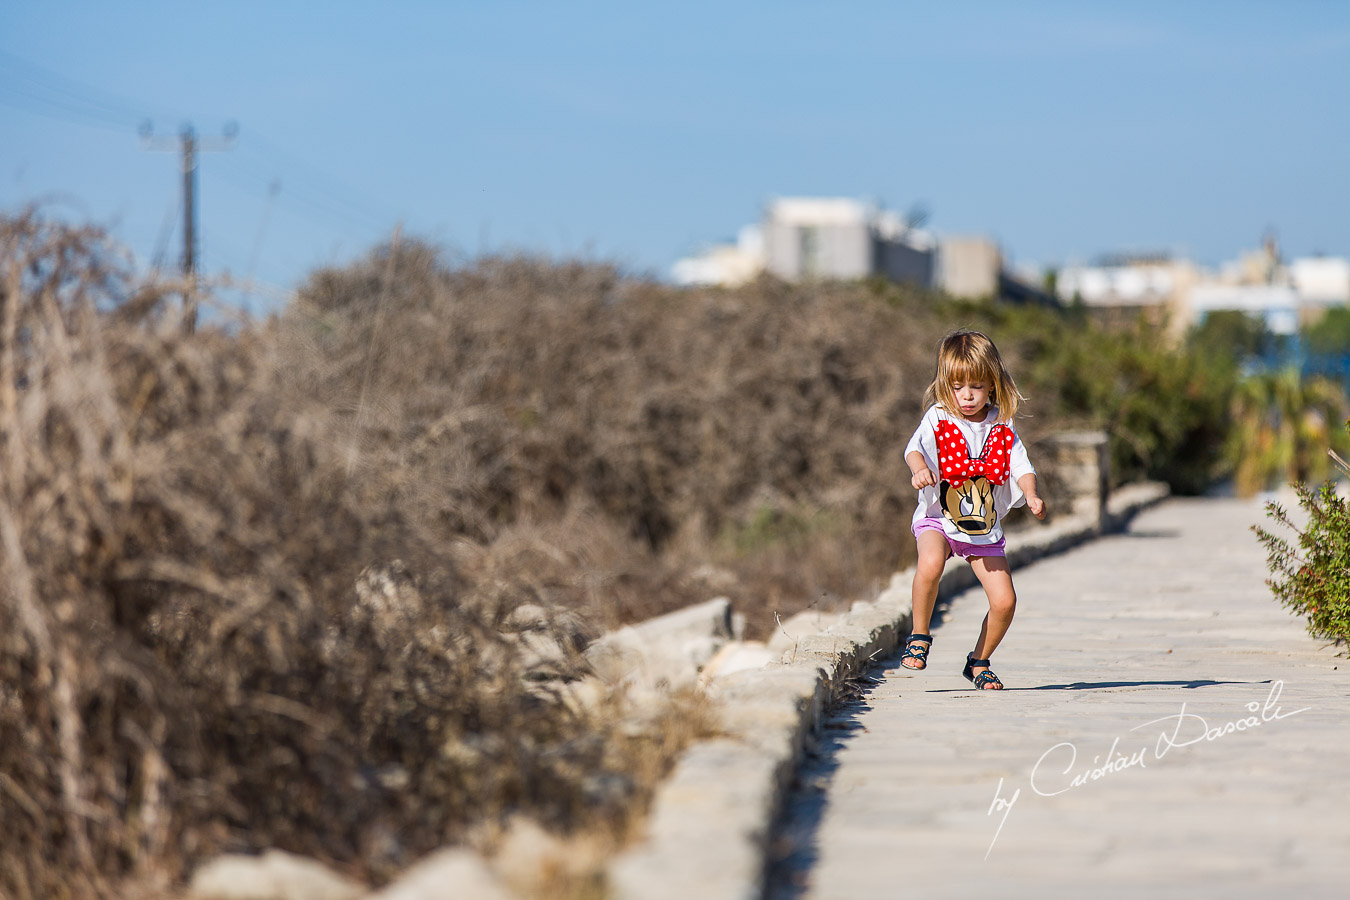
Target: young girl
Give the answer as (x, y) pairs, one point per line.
(970, 468)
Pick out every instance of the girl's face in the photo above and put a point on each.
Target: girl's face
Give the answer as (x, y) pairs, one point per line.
(972, 397)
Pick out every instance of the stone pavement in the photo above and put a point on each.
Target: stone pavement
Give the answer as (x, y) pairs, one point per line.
(1150, 741)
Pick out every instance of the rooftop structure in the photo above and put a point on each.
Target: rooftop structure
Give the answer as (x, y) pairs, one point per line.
(1321, 280)
(833, 237)
(725, 264)
(802, 238)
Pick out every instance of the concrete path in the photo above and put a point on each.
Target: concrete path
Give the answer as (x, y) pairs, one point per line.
(1092, 775)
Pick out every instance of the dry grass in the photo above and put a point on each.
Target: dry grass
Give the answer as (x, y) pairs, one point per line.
(185, 666)
(623, 447)
(257, 582)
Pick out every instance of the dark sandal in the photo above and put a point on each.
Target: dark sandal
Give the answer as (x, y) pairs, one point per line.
(917, 647)
(985, 678)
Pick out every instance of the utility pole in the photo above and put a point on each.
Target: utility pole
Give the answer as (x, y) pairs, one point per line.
(189, 138)
(189, 145)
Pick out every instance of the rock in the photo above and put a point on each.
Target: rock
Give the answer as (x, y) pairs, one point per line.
(667, 651)
(788, 634)
(736, 657)
(704, 837)
(1081, 461)
(455, 873)
(275, 875)
(533, 862)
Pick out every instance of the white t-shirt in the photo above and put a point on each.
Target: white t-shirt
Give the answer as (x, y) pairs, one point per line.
(977, 504)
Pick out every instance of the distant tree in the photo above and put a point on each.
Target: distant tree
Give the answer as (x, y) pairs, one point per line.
(1283, 426)
(1236, 335)
(1331, 333)
(1051, 281)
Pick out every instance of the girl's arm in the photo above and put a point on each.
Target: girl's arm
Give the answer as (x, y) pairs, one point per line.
(1034, 502)
(1024, 473)
(920, 475)
(922, 442)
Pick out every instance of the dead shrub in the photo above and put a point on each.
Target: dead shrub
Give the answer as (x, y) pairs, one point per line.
(257, 583)
(514, 391)
(186, 664)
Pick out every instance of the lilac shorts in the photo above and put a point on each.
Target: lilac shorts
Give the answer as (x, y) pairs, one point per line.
(960, 548)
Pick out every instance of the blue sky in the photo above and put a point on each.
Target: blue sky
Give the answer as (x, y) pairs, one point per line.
(637, 132)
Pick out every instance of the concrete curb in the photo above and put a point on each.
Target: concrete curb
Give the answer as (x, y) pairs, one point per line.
(711, 822)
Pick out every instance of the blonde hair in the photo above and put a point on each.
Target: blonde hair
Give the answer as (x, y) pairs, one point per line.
(970, 356)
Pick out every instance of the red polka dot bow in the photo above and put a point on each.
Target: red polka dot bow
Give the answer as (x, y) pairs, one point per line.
(954, 457)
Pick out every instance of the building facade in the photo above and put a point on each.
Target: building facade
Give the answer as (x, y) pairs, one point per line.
(840, 238)
(1258, 283)
(805, 238)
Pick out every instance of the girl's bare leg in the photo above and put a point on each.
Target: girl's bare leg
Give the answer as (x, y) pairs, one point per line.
(933, 553)
(996, 578)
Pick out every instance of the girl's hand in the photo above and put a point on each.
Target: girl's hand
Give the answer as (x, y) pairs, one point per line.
(1036, 505)
(923, 478)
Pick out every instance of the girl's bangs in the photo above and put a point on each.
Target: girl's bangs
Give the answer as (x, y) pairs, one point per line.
(966, 370)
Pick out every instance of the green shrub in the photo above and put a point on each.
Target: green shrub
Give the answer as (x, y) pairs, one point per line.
(1331, 333)
(1239, 336)
(1313, 578)
(1163, 404)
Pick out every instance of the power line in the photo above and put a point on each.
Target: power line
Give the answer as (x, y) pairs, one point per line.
(318, 194)
(272, 192)
(34, 88)
(326, 182)
(324, 196)
(162, 242)
(39, 90)
(313, 202)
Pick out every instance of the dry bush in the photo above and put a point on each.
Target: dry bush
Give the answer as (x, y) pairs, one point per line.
(185, 664)
(257, 583)
(743, 442)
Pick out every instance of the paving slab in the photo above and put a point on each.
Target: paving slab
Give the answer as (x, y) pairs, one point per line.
(1167, 728)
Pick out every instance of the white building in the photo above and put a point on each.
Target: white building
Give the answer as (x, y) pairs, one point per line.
(1257, 283)
(816, 237)
(1278, 304)
(1323, 280)
(1141, 284)
(725, 264)
(842, 238)
(969, 267)
(838, 237)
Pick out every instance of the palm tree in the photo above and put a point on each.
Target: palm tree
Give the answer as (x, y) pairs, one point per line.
(1283, 426)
